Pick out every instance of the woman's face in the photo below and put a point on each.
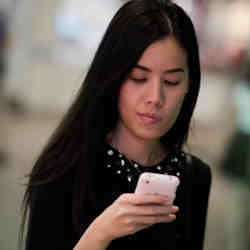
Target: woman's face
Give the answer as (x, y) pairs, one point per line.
(152, 95)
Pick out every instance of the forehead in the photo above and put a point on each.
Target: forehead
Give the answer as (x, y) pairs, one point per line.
(165, 53)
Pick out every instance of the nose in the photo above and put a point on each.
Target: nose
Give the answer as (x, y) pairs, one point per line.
(155, 94)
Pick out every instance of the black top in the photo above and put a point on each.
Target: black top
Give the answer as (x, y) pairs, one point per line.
(50, 222)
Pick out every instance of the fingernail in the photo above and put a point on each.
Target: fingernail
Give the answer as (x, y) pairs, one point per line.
(175, 208)
(172, 216)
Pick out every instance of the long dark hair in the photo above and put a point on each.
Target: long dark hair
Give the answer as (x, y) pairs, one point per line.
(78, 141)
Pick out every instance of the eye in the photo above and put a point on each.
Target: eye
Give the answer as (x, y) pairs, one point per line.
(171, 83)
(139, 80)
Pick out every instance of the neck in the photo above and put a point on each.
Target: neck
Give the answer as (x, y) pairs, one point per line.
(145, 152)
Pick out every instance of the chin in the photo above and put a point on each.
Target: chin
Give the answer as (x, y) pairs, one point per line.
(150, 136)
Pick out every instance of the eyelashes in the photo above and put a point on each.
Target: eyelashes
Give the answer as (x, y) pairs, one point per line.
(143, 80)
(139, 80)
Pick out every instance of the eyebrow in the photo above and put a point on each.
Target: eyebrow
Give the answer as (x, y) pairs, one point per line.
(174, 70)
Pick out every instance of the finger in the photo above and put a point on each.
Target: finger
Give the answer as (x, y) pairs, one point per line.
(142, 226)
(142, 199)
(154, 210)
(151, 220)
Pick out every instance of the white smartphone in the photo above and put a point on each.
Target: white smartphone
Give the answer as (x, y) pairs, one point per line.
(151, 183)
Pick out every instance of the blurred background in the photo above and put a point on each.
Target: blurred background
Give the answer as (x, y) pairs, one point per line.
(45, 49)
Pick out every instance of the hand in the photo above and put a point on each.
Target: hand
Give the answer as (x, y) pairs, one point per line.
(133, 212)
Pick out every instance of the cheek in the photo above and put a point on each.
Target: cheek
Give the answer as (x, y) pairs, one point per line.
(180, 97)
(129, 96)
(179, 104)
(126, 102)
(175, 106)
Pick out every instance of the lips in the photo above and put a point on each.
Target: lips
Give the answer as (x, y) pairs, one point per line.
(149, 118)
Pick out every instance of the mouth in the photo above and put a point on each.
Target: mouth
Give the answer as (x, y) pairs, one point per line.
(149, 118)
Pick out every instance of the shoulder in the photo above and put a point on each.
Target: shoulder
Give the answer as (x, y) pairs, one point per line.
(200, 170)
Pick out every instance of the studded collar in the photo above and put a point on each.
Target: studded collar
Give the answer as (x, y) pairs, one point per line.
(129, 170)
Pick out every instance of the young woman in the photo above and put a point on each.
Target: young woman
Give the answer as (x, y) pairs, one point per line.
(132, 115)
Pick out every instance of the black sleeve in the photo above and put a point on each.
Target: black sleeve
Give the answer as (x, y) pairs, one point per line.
(49, 225)
(201, 183)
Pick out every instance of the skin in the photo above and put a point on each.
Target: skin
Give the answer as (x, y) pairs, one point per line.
(149, 103)
(155, 87)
